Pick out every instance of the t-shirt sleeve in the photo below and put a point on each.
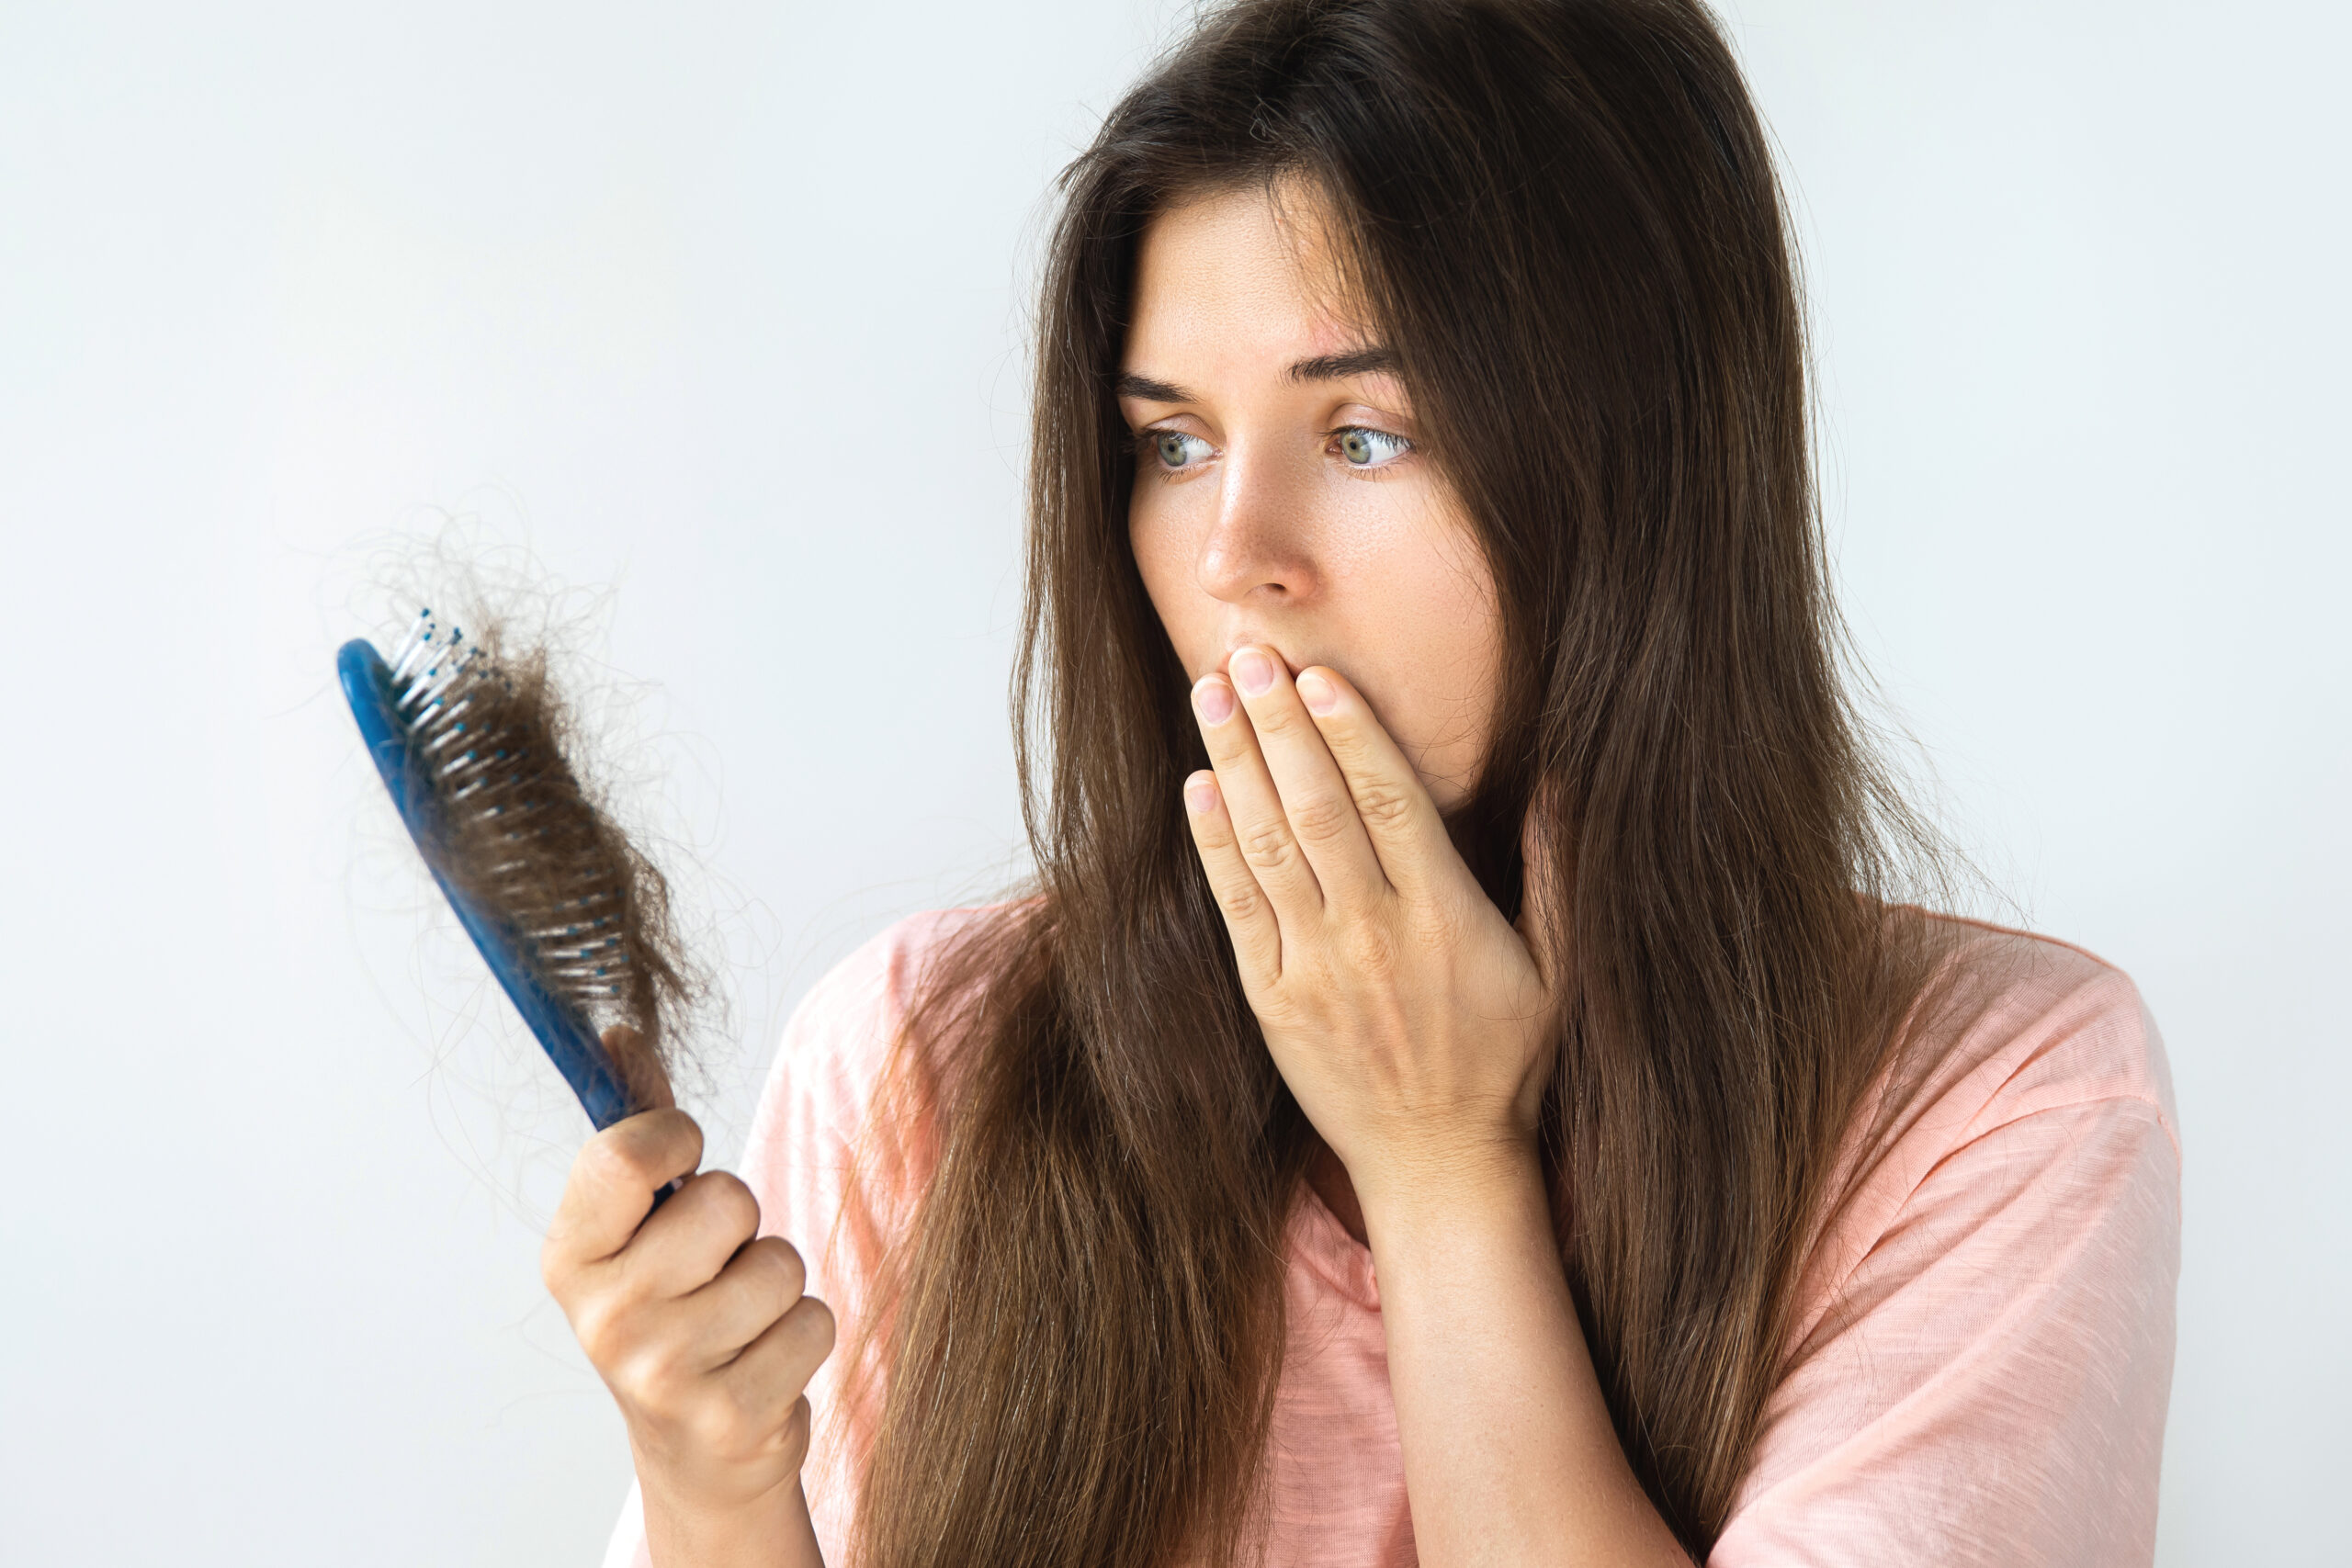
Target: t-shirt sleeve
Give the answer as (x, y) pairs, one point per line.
(811, 1162)
(1987, 1381)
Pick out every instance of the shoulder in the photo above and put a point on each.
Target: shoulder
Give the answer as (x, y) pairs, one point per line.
(839, 1047)
(1982, 1355)
(2028, 1051)
(877, 981)
(2015, 1024)
(845, 1025)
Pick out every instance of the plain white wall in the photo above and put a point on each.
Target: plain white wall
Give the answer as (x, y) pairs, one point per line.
(722, 307)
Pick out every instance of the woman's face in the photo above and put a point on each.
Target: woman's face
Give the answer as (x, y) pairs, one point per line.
(1281, 498)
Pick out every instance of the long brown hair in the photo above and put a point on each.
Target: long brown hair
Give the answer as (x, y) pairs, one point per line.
(1563, 217)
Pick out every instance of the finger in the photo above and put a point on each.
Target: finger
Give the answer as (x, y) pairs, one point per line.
(763, 1281)
(1312, 792)
(773, 1370)
(612, 1186)
(684, 1246)
(1268, 846)
(1399, 817)
(1249, 917)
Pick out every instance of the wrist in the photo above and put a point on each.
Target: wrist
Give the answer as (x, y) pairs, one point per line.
(769, 1529)
(1478, 1185)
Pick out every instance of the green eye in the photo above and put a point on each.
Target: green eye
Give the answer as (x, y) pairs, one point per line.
(1178, 450)
(1367, 448)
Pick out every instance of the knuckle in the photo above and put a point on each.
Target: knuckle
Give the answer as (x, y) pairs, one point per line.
(1321, 818)
(1345, 742)
(1383, 804)
(605, 1160)
(721, 1427)
(781, 1262)
(1268, 848)
(1370, 948)
(658, 1381)
(1240, 904)
(732, 1206)
(1229, 750)
(598, 1323)
(815, 1320)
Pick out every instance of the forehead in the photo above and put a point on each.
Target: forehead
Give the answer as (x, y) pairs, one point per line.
(1236, 280)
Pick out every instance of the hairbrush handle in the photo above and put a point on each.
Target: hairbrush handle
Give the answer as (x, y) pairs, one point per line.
(569, 1039)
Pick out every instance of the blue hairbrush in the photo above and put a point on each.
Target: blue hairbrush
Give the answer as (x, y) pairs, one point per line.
(570, 917)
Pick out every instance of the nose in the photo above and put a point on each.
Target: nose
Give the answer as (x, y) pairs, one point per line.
(1258, 545)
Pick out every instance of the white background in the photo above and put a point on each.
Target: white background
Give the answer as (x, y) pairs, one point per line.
(721, 307)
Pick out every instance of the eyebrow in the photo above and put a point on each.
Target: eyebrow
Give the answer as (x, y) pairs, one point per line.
(1373, 360)
(1151, 391)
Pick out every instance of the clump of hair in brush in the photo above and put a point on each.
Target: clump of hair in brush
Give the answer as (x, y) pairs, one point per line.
(524, 839)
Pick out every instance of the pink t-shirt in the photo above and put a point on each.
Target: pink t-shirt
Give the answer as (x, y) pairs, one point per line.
(1983, 1350)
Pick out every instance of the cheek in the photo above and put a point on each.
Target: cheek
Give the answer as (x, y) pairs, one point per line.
(1431, 632)
(1163, 555)
(1412, 564)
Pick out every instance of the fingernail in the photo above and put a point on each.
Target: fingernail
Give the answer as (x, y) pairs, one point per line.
(1318, 694)
(1214, 698)
(1200, 792)
(1253, 673)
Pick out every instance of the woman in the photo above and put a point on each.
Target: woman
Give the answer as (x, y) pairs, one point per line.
(1462, 1086)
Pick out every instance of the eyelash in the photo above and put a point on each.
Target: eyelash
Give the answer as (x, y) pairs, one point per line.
(1147, 446)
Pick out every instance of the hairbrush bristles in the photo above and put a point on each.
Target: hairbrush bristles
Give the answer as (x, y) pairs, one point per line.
(471, 740)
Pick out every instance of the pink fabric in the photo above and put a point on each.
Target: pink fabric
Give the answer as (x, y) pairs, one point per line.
(1983, 1359)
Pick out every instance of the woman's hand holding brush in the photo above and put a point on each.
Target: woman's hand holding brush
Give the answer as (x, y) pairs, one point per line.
(699, 1328)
